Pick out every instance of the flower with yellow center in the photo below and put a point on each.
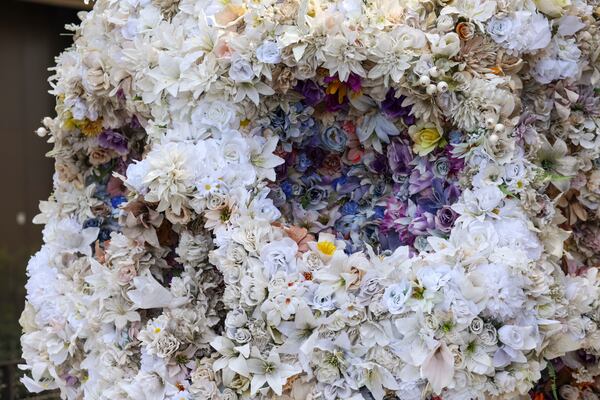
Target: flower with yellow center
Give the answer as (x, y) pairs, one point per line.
(88, 128)
(426, 138)
(326, 247)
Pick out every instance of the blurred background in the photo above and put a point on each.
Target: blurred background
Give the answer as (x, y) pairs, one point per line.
(32, 33)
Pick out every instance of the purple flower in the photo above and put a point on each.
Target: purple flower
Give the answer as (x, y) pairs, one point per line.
(392, 105)
(354, 83)
(313, 93)
(437, 197)
(456, 164)
(332, 103)
(409, 120)
(399, 157)
(135, 123)
(422, 223)
(444, 219)
(419, 180)
(395, 210)
(113, 140)
(376, 163)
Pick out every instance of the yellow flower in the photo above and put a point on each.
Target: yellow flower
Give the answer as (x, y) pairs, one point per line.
(426, 139)
(552, 8)
(89, 128)
(326, 247)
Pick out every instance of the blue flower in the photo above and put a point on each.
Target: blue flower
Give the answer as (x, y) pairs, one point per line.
(455, 137)
(287, 188)
(303, 162)
(350, 208)
(104, 234)
(92, 223)
(334, 139)
(117, 200)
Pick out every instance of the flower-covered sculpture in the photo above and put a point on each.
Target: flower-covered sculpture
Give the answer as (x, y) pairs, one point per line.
(321, 200)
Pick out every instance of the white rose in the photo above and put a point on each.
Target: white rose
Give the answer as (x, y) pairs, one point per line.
(279, 255)
(500, 29)
(476, 325)
(241, 70)
(216, 113)
(165, 345)
(236, 318)
(517, 337)
(447, 45)
(228, 394)
(395, 296)
(268, 52)
(488, 335)
(130, 29)
(476, 239)
(488, 197)
(234, 148)
(241, 335)
(409, 38)
(327, 373)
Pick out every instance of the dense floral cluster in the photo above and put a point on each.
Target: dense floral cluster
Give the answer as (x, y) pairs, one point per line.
(305, 199)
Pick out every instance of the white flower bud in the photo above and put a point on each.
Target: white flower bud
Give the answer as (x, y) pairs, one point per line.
(442, 87)
(41, 132)
(493, 138)
(499, 128)
(433, 72)
(424, 80)
(431, 90)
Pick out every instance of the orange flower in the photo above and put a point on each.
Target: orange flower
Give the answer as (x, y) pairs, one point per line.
(465, 30)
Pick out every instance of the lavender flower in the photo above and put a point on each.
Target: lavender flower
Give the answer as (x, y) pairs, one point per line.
(113, 140)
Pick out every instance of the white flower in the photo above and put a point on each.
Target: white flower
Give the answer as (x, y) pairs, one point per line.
(148, 293)
(566, 49)
(268, 52)
(438, 367)
(271, 371)
(547, 70)
(505, 297)
(241, 70)
(396, 295)
(518, 337)
(447, 45)
(279, 255)
(165, 345)
(215, 113)
(500, 29)
(479, 11)
(67, 235)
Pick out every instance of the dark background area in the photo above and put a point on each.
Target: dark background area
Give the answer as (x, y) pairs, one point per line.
(31, 35)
